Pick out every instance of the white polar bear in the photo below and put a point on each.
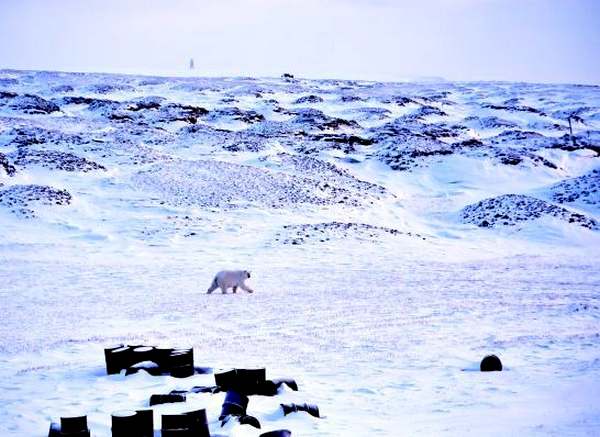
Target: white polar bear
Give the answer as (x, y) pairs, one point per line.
(230, 279)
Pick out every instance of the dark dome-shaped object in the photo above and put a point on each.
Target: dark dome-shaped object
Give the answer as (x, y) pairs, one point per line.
(490, 363)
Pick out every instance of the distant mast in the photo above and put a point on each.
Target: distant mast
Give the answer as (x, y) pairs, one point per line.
(191, 63)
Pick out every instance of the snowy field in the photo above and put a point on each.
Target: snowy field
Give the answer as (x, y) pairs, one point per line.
(396, 234)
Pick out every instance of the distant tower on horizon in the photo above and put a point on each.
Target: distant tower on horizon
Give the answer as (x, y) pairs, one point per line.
(191, 63)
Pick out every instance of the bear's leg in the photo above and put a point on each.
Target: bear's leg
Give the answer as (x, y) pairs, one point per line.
(246, 288)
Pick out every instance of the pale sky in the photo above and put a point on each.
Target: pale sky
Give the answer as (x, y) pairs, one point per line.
(517, 40)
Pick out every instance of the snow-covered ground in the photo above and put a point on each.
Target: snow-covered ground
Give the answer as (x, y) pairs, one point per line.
(397, 233)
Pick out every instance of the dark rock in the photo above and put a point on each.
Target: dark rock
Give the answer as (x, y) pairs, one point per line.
(490, 122)
(7, 166)
(244, 146)
(145, 103)
(440, 130)
(541, 160)
(425, 111)
(103, 107)
(120, 117)
(247, 116)
(512, 108)
(308, 99)
(519, 139)
(348, 99)
(31, 104)
(315, 118)
(105, 88)
(152, 81)
(510, 159)
(8, 81)
(403, 100)
(7, 95)
(79, 100)
(403, 149)
(337, 123)
(471, 143)
(349, 141)
(590, 140)
(62, 89)
(371, 113)
(178, 112)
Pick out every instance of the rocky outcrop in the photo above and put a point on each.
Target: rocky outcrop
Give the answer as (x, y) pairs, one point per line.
(325, 232)
(9, 169)
(308, 99)
(24, 199)
(513, 209)
(54, 160)
(584, 189)
(32, 104)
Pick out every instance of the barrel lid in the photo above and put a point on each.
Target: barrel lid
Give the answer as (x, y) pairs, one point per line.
(124, 413)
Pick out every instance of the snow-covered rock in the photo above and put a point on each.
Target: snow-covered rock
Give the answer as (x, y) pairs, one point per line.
(511, 209)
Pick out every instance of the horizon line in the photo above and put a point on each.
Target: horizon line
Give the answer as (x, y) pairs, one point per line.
(184, 74)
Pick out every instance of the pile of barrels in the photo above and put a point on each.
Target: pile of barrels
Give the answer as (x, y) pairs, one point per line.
(178, 363)
(141, 424)
(238, 384)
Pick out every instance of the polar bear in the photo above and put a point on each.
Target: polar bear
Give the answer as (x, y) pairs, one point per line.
(230, 279)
